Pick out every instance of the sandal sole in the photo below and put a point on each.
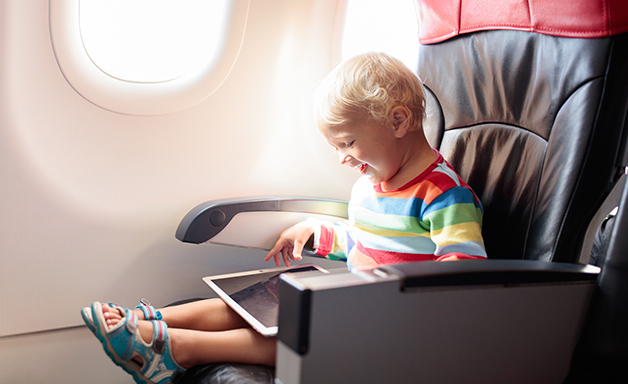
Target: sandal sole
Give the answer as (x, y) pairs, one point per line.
(86, 314)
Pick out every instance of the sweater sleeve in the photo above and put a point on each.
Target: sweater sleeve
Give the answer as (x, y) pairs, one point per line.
(455, 222)
(333, 241)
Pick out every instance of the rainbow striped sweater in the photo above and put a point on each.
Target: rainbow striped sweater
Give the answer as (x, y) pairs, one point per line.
(434, 216)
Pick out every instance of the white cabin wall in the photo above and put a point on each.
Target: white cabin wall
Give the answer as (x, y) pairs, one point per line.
(91, 198)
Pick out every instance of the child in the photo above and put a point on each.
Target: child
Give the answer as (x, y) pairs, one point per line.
(409, 205)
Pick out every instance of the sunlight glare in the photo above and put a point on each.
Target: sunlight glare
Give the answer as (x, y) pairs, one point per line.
(389, 26)
(152, 41)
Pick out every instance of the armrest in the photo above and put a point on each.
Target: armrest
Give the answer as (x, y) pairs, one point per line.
(206, 220)
(460, 321)
(483, 272)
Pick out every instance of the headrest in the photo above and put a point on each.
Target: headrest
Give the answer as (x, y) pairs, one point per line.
(443, 19)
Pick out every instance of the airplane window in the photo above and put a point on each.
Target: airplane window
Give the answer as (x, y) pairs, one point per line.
(152, 40)
(147, 57)
(389, 26)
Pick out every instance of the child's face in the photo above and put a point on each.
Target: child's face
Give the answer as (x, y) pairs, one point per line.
(368, 146)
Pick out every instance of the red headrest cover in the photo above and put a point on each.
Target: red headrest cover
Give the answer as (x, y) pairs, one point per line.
(442, 19)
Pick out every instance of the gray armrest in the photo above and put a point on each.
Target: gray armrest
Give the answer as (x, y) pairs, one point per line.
(483, 272)
(206, 220)
(461, 321)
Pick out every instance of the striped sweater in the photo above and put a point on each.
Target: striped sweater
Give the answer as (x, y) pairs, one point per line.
(434, 216)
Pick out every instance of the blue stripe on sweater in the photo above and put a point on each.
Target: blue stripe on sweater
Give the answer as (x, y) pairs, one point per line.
(456, 195)
(402, 244)
(391, 206)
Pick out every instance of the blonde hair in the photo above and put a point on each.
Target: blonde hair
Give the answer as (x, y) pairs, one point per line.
(369, 86)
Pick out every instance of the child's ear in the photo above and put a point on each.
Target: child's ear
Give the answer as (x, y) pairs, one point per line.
(400, 119)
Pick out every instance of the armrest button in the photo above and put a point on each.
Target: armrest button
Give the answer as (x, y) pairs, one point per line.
(217, 218)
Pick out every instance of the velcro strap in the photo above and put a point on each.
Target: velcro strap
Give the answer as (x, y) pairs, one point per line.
(159, 336)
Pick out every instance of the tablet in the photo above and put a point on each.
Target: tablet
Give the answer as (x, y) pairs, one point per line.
(254, 295)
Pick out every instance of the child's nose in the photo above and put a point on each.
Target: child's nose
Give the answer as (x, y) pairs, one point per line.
(344, 159)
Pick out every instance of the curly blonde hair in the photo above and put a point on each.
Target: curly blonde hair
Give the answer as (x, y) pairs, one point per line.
(369, 86)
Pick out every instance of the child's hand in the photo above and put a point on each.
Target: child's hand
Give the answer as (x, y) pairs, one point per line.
(290, 243)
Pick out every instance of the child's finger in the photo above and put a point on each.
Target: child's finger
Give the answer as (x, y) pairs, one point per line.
(298, 250)
(278, 256)
(272, 253)
(286, 256)
(274, 250)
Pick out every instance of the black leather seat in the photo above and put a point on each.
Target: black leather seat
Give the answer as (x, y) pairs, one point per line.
(534, 124)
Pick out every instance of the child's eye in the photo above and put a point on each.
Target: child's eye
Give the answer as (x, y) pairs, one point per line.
(350, 144)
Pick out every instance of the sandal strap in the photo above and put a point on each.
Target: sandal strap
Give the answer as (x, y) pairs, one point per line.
(116, 307)
(131, 327)
(150, 313)
(167, 370)
(160, 332)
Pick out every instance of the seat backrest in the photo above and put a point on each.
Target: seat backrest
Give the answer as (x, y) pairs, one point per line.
(533, 122)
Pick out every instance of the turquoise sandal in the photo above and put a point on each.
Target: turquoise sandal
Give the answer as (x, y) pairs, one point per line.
(147, 363)
(150, 313)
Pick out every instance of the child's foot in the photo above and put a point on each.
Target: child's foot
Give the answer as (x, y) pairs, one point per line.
(130, 345)
(144, 311)
(113, 315)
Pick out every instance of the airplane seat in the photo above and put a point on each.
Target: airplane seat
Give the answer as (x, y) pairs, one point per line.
(528, 102)
(534, 124)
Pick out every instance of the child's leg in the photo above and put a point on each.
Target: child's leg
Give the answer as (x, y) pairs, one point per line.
(239, 344)
(203, 315)
(243, 345)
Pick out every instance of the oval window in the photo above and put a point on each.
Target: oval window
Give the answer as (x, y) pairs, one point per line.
(147, 57)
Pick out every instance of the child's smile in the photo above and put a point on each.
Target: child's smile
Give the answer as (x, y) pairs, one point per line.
(361, 167)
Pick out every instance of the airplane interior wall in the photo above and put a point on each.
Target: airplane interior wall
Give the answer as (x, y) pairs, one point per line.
(91, 198)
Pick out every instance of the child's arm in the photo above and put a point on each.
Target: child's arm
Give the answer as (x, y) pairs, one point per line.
(331, 241)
